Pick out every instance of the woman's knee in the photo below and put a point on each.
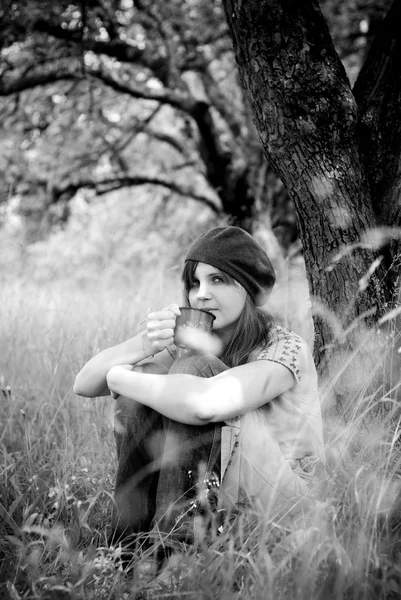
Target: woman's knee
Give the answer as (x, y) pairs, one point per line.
(128, 411)
(133, 418)
(201, 365)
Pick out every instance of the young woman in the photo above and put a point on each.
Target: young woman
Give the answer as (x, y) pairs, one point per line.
(249, 417)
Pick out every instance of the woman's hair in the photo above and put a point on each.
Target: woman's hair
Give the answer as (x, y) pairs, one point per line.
(253, 327)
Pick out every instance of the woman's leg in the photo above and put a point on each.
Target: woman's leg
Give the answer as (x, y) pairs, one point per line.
(190, 455)
(260, 478)
(139, 436)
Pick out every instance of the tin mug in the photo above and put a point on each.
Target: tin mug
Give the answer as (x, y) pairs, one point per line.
(191, 321)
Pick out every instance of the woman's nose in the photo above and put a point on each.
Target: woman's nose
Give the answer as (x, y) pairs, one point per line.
(203, 292)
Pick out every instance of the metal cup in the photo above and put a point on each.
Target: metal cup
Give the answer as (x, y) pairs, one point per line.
(190, 321)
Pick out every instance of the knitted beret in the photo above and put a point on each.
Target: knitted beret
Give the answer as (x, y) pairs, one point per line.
(234, 251)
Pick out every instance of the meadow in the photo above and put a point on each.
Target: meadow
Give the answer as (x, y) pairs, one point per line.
(57, 463)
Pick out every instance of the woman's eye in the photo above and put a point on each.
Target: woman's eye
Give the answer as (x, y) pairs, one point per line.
(194, 283)
(217, 279)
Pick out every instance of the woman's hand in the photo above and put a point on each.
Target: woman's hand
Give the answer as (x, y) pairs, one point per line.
(160, 329)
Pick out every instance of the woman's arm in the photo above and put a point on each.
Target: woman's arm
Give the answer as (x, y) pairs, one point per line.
(91, 380)
(196, 400)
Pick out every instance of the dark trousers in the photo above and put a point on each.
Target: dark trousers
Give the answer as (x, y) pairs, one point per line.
(162, 463)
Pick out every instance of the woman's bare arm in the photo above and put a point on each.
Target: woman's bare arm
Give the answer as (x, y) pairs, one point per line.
(196, 400)
(91, 380)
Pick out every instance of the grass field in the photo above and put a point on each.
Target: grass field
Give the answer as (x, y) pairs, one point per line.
(57, 462)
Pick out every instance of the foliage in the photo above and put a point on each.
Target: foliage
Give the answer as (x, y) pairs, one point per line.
(106, 95)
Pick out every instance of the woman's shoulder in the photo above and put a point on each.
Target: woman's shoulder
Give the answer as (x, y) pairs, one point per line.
(286, 347)
(278, 333)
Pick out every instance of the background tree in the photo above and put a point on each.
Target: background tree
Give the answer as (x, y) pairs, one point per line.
(337, 150)
(98, 86)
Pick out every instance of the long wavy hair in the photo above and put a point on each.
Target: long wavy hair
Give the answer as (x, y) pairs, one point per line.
(252, 330)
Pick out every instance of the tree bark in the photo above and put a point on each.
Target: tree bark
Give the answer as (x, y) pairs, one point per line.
(307, 120)
(378, 94)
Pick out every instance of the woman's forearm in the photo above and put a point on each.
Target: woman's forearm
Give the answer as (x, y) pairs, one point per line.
(196, 400)
(178, 397)
(91, 380)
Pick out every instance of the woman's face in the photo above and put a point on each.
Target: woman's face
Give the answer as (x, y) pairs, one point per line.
(212, 290)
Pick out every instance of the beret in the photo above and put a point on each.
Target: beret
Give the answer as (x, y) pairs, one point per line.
(234, 251)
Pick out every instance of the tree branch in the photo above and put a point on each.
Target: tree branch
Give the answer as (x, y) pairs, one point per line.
(113, 183)
(115, 48)
(176, 99)
(9, 86)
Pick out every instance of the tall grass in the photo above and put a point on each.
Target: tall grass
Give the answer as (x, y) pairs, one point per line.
(57, 463)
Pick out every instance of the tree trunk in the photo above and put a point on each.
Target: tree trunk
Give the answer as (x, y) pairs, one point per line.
(378, 94)
(227, 170)
(307, 120)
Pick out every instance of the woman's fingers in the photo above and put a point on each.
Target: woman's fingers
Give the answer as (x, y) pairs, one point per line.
(160, 334)
(166, 323)
(174, 308)
(160, 327)
(164, 314)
